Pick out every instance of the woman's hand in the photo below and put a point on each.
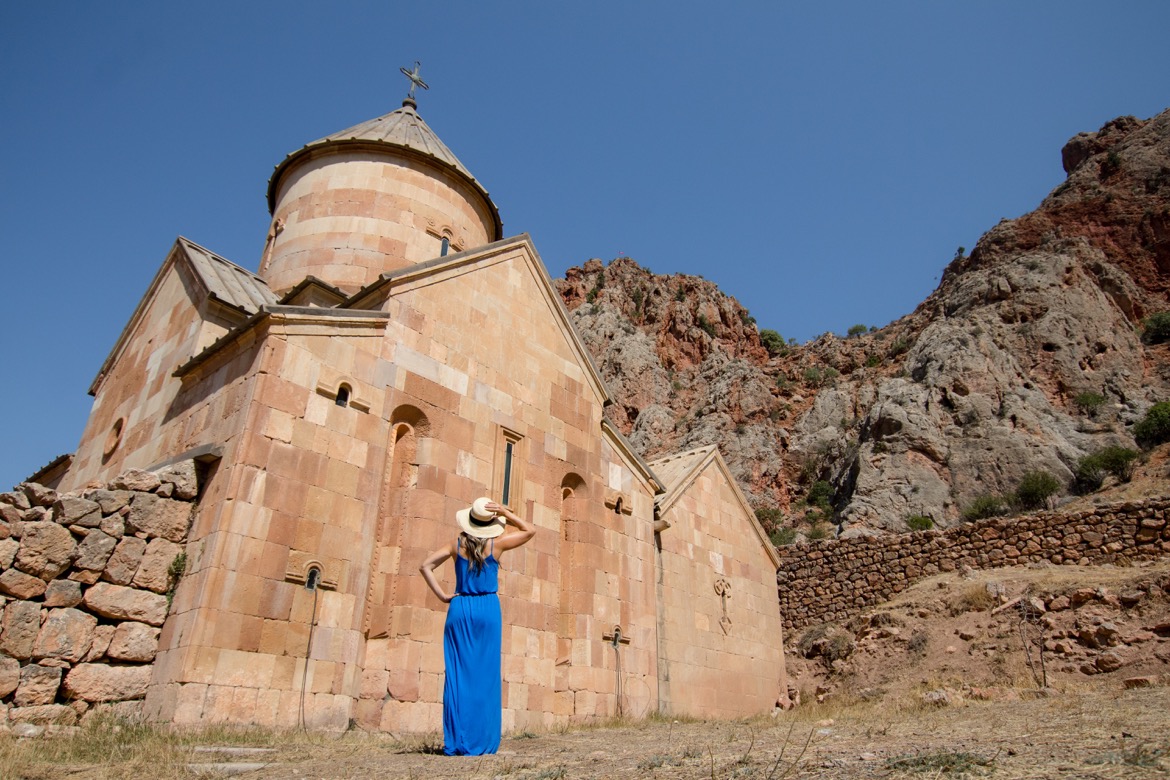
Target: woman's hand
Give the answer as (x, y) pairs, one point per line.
(505, 512)
(523, 530)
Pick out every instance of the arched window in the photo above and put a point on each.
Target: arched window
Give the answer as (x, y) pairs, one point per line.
(445, 247)
(343, 395)
(313, 578)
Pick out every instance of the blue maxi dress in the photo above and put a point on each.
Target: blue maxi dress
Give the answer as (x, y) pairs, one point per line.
(471, 653)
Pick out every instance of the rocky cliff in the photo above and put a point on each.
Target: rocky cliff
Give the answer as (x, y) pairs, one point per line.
(1027, 357)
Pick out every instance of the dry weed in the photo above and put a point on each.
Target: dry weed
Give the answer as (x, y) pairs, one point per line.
(973, 598)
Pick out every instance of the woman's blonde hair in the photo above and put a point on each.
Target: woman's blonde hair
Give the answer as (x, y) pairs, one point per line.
(476, 551)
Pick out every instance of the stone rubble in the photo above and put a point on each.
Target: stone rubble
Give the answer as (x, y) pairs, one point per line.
(84, 590)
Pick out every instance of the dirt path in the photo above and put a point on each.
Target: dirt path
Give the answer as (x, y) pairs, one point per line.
(1115, 734)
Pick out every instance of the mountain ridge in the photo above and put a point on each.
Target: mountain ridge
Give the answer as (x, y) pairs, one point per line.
(958, 399)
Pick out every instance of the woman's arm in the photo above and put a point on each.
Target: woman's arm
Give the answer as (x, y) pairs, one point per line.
(520, 534)
(427, 570)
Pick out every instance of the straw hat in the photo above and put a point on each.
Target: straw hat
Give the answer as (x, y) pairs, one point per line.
(477, 521)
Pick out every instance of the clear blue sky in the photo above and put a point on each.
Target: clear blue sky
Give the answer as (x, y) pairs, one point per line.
(820, 161)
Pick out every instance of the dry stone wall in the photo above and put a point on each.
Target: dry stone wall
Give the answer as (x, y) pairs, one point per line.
(85, 583)
(833, 580)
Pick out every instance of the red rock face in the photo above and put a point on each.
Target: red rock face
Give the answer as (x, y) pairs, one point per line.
(964, 395)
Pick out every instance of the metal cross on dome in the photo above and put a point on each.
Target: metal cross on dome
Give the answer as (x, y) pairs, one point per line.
(415, 80)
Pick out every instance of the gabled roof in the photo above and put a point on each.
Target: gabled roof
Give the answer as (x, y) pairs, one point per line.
(225, 281)
(679, 471)
(402, 130)
(450, 266)
(675, 470)
(222, 281)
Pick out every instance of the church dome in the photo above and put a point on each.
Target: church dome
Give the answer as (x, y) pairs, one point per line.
(381, 195)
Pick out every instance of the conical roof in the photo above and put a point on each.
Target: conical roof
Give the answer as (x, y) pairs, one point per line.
(402, 129)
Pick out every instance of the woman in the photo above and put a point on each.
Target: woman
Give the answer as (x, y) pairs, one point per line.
(471, 637)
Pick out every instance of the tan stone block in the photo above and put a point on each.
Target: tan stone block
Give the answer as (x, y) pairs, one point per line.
(160, 517)
(99, 643)
(308, 535)
(189, 704)
(242, 708)
(95, 550)
(286, 672)
(46, 550)
(21, 624)
(403, 684)
(284, 494)
(65, 634)
(282, 529)
(154, 569)
(373, 684)
(217, 707)
(19, 585)
(99, 682)
(134, 642)
(272, 637)
(38, 685)
(288, 712)
(321, 676)
(123, 563)
(45, 714)
(251, 630)
(200, 663)
(267, 708)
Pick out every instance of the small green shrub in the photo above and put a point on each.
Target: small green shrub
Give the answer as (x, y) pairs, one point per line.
(959, 764)
(920, 522)
(1092, 469)
(770, 518)
(1154, 428)
(773, 342)
(899, 347)
(819, 377)
(820, 494)
(591, 296)
(680, 294)
(857, 330)
(706, 325)
(1157, 328)
(1112, 163)
(638, 297)
(819, 531)
(783, 536)
(917, 643)
(1089, 402)
(986, 506)
(873, 361)
(1035, 488)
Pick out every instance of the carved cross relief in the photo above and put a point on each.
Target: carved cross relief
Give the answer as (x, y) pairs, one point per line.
(723, 590)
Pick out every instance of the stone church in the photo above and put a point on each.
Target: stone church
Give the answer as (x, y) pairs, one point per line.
(395, 357)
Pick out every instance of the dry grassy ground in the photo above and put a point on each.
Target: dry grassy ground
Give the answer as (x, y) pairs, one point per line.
(1090, 726)
(1100, 734)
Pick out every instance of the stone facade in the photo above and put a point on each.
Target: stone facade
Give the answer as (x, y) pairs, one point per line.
(834, 580)
(86, 580)
(717, 609)
(343, 423)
